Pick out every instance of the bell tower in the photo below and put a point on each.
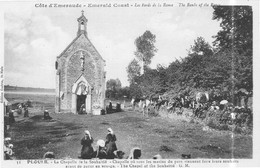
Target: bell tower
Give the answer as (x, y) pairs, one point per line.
(82, 24)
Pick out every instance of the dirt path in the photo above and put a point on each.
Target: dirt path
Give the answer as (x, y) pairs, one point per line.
(170, 138)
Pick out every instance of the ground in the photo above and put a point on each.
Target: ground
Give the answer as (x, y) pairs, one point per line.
(170, 138)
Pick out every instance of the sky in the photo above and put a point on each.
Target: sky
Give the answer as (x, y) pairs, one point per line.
(34, 37)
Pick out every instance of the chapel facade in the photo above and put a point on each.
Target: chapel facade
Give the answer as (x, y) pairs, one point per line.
(80, 75)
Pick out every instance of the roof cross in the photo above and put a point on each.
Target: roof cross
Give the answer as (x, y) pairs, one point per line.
(82, 12)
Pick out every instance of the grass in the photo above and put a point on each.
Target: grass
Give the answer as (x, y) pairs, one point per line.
(169, 137)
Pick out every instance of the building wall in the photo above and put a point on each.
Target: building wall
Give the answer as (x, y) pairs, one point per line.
(69, 68)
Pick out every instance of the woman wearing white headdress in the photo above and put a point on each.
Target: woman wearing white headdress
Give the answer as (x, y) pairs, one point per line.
(111, 132)
(110, 144)
(87, 149)
(100, 153)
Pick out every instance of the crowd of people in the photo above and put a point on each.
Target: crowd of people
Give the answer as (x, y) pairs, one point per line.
(203, 105)
(105, 149)
(225, 113)
(9, 119)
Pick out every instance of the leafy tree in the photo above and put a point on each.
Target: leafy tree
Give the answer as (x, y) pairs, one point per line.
(201, 47)
(219, 69)
(124, 92)
(237, 26)
(196, 65)
(236, 34)
(174, 74)
(224, 68)
(145, 48)
(135, 90)
(150, 82)
(133, 70)
(113, 84)
(162, 71)
(113, 87)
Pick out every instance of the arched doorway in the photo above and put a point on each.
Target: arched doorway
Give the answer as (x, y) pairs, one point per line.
(81, 96)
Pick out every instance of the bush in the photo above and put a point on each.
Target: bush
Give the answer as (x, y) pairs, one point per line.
(238, 130)
(248, 130)
(162, 111)
(223, 127)
(152, 112)
(192, 121)
(212, 122)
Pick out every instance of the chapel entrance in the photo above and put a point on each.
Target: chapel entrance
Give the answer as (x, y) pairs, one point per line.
(81, 104)
(81, 96)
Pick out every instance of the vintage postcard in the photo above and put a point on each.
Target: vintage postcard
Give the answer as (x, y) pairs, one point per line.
(129, 84)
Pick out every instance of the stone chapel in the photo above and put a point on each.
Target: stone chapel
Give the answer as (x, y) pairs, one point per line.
(80, 75)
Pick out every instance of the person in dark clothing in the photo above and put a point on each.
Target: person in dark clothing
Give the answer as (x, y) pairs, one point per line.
(110, 146)
(110, 107)
(87, 149)
(6, 125)
(110, 131)
(11, 117)
(46, 115)
(82, 109)
(26, 111)
(100, 153)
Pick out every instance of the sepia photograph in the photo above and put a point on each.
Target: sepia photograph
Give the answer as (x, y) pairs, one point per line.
(129, 80)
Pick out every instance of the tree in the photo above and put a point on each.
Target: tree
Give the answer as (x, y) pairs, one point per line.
(225, 68)
(135, 90)
(124, 92)
(133, 70)
(236, 34)
(195, 67)
(145, 48)
(113, 87)
(201, 47)
(236, 24)
(113, 84)
(150, 83)
(174, 74)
